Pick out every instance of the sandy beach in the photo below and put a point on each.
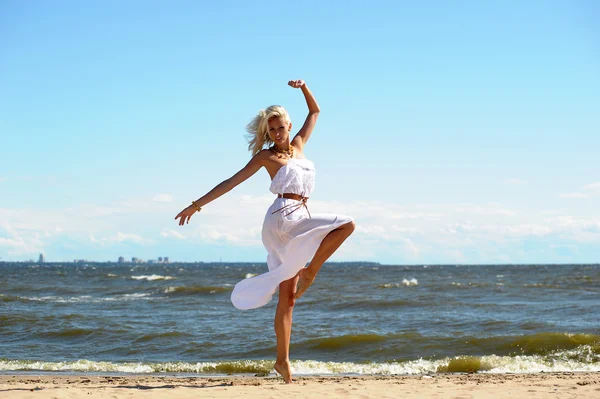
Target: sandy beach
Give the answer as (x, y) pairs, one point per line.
(541, 385)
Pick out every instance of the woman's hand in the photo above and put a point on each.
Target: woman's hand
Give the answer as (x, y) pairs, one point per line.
(296, 84)
(186, 215)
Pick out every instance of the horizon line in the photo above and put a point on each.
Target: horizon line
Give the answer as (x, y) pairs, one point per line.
(333, 262)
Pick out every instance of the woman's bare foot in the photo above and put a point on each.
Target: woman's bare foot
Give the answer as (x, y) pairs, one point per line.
(283, 367)
(305, 280)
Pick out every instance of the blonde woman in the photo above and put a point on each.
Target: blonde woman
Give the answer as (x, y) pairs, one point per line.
(291, 234)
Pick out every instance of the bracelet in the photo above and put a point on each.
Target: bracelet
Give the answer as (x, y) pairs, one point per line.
(198, 209)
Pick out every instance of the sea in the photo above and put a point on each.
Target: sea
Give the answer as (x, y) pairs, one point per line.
(358, 318)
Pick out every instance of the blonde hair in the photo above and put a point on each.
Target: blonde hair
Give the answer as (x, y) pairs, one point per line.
(258, 128)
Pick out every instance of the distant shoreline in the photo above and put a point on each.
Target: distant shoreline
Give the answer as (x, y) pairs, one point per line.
(258, 263)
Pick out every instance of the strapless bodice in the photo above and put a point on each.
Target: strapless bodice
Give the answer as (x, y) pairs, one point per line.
(297, 176)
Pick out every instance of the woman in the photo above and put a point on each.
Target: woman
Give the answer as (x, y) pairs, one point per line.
(291, 235)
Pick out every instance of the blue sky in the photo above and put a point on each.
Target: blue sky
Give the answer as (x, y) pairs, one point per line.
(454, 132)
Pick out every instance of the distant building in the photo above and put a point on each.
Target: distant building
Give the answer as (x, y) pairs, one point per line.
(134, 260)
(166, 259)
(41, 259)
(151, 261)
(160, 259)
(121, 259)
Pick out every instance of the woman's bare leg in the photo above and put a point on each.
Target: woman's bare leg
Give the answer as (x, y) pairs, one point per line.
(283, 327)
(329, 245)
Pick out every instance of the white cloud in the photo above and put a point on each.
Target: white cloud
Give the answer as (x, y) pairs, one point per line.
(172, 233)
(249, 236)
(3, 179)
(407, 232)
(573, 195)
(409, 247)
(486, 209)
(17, 245)
(120, 237)
(165, 198)
(454, 255)
(515, 181)
(549, 212)
(590, 190)
(593, 188)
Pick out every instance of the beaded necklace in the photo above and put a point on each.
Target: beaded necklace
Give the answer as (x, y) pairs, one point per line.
(289, 152)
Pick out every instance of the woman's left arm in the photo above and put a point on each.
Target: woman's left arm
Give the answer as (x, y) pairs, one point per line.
(313, 113)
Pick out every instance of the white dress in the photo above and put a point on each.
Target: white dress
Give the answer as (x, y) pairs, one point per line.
(291, 236)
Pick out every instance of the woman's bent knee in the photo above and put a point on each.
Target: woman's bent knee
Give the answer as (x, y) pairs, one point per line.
(286, 304)
(351, 226)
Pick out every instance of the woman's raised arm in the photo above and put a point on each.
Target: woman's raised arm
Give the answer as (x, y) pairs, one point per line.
(225, 186)
(313, 113)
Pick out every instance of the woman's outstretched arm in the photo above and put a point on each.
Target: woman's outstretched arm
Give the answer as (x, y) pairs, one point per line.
(225, 186)
(313, 113)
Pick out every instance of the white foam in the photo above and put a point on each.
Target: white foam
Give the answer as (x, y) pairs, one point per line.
(124, 297)
(87, 298)
(79, 365)
(533, 364)
(390, 285)
(153, 277)
(310, 367)
(405, 283)
(59, 299)
(410, 283)
(249, 275)
(557, 362)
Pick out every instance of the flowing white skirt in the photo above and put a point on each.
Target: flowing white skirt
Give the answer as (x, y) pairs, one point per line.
(291, 241)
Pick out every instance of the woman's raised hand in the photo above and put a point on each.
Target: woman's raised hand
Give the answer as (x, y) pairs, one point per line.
(186, 215)
(296, 84)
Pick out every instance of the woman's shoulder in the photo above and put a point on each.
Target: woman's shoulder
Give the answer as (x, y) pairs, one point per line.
(264, 154)
(265, 157)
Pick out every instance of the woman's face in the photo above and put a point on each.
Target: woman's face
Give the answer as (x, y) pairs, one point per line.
(279, 130)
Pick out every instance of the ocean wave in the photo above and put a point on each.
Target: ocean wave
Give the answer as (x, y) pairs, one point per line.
(343, 341)
(162, 336)
(582, 358)
(69, 333)
(152, 277)
(57, 299)
(405, 283)
(375, 304)
(543, 344)
(125, 297)
(195, 290)
(29, 319)
(559, 362)
(471, 284)
(9, 298)
(79, 299)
